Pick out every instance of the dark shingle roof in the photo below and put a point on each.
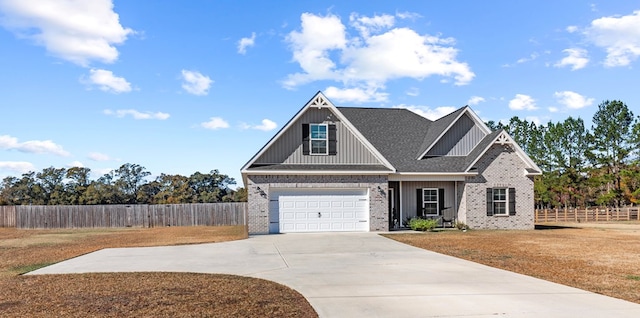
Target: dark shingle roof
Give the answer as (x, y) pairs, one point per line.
(401, 136)
(316, 167)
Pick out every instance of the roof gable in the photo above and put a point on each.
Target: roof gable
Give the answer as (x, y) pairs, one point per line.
(443, 127)
(318, 108)
(501, 137)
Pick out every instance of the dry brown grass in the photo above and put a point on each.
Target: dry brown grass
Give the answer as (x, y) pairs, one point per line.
(604, 260)
(131, 294)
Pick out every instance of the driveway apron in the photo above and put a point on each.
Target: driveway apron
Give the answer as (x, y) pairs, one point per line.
(364, 275)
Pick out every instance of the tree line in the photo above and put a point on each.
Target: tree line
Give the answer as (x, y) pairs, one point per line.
(583, 167)
(125, 185)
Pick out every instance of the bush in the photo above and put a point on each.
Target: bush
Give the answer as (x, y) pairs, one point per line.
(461, 226)
(423, 224)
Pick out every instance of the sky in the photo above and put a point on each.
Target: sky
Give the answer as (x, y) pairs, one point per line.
(185, 86)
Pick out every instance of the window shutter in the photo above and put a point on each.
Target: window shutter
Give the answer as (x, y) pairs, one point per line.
(332, 140)
(440, 201)
(305, 139)
(420, 212)
(512, 201)
(489, 202)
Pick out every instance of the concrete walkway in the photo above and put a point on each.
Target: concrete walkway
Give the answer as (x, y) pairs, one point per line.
(364, 275)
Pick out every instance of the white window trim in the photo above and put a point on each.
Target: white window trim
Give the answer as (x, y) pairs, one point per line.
(436, 201)
(311, 140)
(505, 201)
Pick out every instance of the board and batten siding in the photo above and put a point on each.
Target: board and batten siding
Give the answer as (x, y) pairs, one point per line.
(409, 199)
(459, 140)
(287, 149)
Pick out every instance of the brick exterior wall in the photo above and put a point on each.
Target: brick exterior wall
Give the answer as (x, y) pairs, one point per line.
(259, 199)
(500, 167)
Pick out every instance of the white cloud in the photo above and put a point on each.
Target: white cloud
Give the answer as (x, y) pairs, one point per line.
(475, 100)
(244, 43)
(266, 125)
(32, 146)
(215, 123)
(17, 166)
(96, 156)
(195, 83)
(100, 172)
(619, 36)
(531, 57)
(576, 58)
(379, 52)
(355, 95)
(413, 91)
(75, 163)
(553, 109)
(76, 31)
(428, 112)
(572, 29)
(573, 100)
(136, 114)
(106, 81)
(522, 102)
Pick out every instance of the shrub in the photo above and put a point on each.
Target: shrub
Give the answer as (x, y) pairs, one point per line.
(461, 226)
(423, 224)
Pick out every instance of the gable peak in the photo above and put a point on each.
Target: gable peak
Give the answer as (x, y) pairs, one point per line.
(319, 101)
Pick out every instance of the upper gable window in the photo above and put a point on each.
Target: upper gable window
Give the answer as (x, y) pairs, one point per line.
(318, 139)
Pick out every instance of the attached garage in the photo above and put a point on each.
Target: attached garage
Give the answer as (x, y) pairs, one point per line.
(318, 210)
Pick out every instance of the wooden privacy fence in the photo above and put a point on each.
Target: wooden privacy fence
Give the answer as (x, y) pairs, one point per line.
(7, 216)
(120, 215)
(594, 214)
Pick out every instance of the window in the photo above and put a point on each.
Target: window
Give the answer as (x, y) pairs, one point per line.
(430, 201)
(318, 139)
(500, 206)
(501, 201)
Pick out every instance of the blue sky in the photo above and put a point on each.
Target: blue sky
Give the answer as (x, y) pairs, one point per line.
(186, 86)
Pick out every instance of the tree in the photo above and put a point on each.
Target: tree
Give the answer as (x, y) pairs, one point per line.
(78, 183)
(51, 180)
(129, 178)
(611, 146)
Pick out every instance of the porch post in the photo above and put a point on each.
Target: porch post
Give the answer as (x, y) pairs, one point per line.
(400, 202)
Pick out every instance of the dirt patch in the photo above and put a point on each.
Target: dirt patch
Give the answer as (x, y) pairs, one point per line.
(131, 294)
(604, 260)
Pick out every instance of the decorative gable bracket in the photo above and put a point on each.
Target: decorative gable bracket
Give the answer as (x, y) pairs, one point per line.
(319, 102)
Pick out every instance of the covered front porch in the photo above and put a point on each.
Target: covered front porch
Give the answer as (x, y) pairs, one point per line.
(424, 197)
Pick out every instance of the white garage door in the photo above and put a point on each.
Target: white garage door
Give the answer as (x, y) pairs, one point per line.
(319, 210)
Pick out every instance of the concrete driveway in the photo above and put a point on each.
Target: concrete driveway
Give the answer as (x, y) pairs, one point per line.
(364, 275)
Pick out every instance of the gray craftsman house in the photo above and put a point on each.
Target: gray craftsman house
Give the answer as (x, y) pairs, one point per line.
(371, 169)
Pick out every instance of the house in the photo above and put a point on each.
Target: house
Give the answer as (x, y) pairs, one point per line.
(372, 169)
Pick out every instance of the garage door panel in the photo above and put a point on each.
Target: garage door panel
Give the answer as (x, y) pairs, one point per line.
(312, 210)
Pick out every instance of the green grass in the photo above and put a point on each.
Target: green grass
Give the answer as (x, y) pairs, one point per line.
(633, 277)
(29, 268)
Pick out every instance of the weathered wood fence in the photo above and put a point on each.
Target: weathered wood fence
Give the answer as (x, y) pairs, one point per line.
(594, 214)
(121, 215)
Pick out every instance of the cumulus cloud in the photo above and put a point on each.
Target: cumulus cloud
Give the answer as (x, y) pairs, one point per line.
(573, 100)
(215, 123)
(244, 43)
(266, 125)
(97, 156)
(522, 102)
(572, 29)
(76, 31)
(32, 146)
(106, 81)
(475, 100)
(17, 166)
(576, 58)
(372, 52)
(75, 163)
(195, 83)
(428, 112)
(355, 95)
(535, 119)
(619, 36)
(120, 113)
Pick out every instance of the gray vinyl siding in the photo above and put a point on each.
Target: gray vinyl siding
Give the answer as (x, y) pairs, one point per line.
(288, 148)
(459, 140)
(409, 199)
